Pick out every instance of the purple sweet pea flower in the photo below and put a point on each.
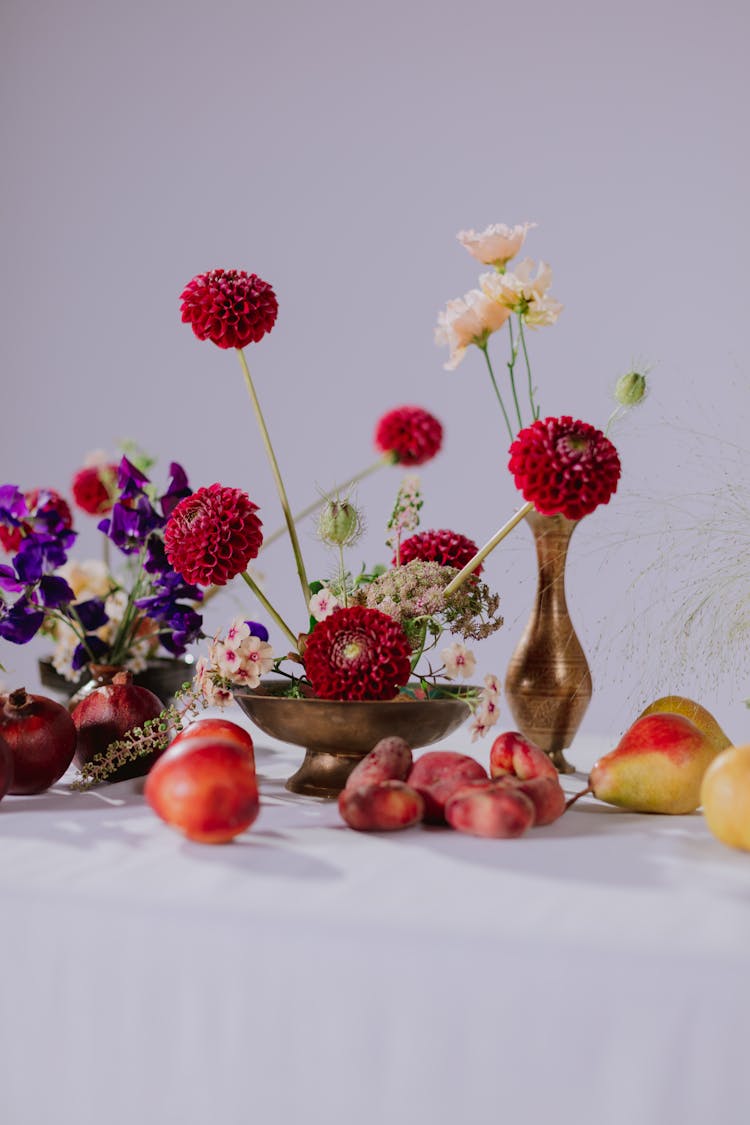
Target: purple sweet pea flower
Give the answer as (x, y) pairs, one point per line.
(9, 580)
(55, 592)
(21, 622)
(94, 649)
(130, 481)
(13, 507)
(91, 614)
(177, 489)
(257, 630)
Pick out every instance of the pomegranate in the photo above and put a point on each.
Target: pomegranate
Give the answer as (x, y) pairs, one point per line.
(6, 767)
(205, 788)
(223, 730)
(108, 713)
(41, 737)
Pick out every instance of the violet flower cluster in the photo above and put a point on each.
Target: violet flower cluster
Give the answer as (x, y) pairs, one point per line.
(158, 603)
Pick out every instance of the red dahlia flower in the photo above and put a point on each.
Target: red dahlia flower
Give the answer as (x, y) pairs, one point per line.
(447, 548)
(565, 466)
(358, 653)
(212, 535)
(412, 435)
(90, 491)
(229, 307)
(38, 501)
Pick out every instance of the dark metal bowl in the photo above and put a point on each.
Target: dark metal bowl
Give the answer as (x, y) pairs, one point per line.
(336, 734)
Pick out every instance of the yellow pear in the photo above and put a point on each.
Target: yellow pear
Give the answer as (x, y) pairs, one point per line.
(703, 719)
(725, 796)
(657, 766)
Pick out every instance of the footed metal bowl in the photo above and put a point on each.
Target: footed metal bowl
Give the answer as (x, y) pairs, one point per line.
(336, 734)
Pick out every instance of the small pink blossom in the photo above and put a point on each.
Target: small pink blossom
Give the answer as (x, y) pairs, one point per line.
(495, 245)
(323, 604)
(491, 685)
(238, 631)
(468, 320)
(458, 661)
(488, 710)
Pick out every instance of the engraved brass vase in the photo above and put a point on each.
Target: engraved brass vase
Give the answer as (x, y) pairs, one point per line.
(336, 734)
(548, 682)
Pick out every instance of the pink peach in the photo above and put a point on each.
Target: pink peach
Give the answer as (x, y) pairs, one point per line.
(389, 760)
(382, 807)
(500, 812)
(437, 775)
(511, 753)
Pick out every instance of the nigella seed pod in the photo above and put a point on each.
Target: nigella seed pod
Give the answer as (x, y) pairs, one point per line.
(340, 523)
(630, 389)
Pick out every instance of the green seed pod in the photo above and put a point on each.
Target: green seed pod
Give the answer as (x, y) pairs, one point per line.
(340, 523)
(630, 389)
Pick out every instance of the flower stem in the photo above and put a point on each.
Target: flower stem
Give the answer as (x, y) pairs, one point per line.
(342, 576)
(512, 372)
(484, 551)
(483, 348)
(308, 511)
(277, 477)
(269, 608)
(534, 407)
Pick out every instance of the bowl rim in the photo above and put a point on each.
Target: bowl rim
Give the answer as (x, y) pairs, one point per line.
(272, 682)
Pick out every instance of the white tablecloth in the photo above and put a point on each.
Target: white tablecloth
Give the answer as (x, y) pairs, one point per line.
(597, 970)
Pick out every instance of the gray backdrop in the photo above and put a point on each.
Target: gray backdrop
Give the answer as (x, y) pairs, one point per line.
(336, 148)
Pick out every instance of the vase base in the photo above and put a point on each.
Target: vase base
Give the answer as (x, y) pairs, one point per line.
(323, 773)
(560, 762)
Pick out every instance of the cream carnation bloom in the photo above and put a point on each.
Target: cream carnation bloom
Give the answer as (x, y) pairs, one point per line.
(468, 320)
(524, 293)
(495, 245)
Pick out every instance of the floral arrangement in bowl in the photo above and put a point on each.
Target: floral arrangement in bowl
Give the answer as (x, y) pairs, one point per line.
(370, 637)
(378, 635)
(95, 613)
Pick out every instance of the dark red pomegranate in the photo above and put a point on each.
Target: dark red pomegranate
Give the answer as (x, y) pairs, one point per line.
(6, 767)
(108, 713)
(42, 739)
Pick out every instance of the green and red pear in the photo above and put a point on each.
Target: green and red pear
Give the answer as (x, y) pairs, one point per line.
(657, 767)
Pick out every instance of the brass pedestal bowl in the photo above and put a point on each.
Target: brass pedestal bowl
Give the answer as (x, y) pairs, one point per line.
(337, 734)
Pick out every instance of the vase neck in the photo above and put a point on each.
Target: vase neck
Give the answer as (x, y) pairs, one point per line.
(552, 539)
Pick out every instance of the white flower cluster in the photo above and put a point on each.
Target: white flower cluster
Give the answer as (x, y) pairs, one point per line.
(91, 579)
(239, 658)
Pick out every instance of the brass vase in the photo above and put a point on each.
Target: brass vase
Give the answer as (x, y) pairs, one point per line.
(548, 682)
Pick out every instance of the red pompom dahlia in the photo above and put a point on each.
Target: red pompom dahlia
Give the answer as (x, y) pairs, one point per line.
(447, 548)
(358, 653)
(38, 501)
(412, 435)
(90, 491)
(212, 535)
(565, 466)
(229, 307)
